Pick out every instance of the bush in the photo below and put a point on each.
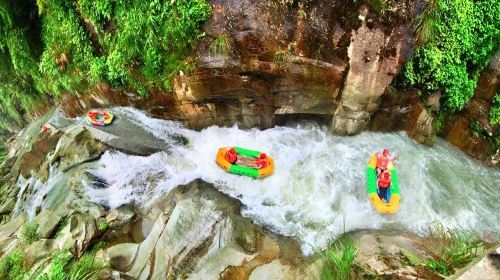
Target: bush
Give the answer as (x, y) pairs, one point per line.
(460, 38)
(29, 233)
(337, 261)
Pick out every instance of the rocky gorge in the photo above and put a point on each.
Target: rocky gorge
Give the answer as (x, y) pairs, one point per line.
(193, 231)
(141, 200)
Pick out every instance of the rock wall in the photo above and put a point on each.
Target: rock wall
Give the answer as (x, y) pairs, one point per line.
(262, 62)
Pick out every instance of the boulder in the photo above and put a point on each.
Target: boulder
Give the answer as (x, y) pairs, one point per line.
(76, 146)
(146, 248)
(8, 205)
(486, 267)
(41, 248)
(120, 216)
(274, 270)
(122, 255)
(47, 222)
(9, 229)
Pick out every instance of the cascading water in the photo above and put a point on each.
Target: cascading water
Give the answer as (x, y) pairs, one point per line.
(318, 189)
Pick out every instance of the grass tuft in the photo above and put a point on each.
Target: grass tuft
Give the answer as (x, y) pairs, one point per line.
(451, 249)
(12, 266)
(337, 260)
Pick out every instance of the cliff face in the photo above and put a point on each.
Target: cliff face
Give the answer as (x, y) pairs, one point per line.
(263, 62)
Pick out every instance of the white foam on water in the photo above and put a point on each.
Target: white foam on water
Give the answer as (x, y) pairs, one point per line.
(317, 191)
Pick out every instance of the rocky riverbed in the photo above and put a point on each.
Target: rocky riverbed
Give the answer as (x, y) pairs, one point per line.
(192, 230)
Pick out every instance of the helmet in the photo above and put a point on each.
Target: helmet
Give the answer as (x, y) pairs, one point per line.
(263, 156)
(232, 150)
(385, 152)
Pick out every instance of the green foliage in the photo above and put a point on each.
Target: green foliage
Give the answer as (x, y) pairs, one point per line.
(103, 225)
(52, 47)
(451, 249)
(337, 261)
(460, 38)
(476, 128)
(12, 266)
(495, 110)
(29, 233)
(220, 46)
(65, 267)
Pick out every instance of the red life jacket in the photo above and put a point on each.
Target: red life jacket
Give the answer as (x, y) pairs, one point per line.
(383, 181)
(230, 157)
(261, 163)
(382, 162)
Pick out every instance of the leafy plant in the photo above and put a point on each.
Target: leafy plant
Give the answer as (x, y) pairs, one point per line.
(103, 225)
(337, 259)
(457, 41)
(29, 232)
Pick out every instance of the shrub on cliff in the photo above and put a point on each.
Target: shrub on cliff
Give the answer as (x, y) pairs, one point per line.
(457, 40)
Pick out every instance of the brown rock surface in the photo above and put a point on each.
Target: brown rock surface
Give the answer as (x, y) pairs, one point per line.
(326, 58)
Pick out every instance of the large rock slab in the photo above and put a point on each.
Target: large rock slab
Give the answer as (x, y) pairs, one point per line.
(484, 268)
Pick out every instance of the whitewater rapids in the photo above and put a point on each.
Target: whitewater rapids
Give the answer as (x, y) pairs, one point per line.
(318, 189)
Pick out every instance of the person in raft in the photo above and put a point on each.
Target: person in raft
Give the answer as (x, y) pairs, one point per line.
(384, 183)
(261, 162)
(383, 160)
(231, 156)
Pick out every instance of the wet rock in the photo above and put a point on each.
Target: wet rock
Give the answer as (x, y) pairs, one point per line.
(8, 205)
(146, 248)
(195, 235)
(83, 230)
(383, 252)
(212, 267)
(41, 248)
(420, 124)
(120, 216)
(122, 255)
(274, 270)
(32, 160)
(47, 222)
(9, 229)
(75, 147)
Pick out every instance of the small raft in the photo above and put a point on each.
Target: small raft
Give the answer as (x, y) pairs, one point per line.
(99, 117)
(371, 184)
(244, 170)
